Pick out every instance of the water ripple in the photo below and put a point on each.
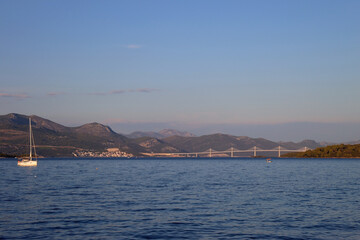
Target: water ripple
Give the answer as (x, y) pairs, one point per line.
(175, 199)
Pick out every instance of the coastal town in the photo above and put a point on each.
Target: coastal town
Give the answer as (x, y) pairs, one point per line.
(110, 152)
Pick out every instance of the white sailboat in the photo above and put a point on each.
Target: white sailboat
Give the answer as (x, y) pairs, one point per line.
(29, 161)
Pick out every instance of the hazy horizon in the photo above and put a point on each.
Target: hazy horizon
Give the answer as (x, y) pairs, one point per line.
(295, 131)
(282, 70)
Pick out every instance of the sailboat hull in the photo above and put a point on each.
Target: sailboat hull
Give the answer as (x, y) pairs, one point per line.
(27, 163)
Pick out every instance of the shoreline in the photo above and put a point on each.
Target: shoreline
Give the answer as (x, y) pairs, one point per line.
(177, 158)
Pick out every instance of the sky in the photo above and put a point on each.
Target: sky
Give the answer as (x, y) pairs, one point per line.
(240, 67)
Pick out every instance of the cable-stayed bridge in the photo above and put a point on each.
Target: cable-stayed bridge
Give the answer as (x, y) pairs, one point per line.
(231, 152)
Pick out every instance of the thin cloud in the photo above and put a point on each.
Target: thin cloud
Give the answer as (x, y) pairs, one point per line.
(144, 90)
(14, 95)
(123, 91)
(133, 46)
(118, 91)
(53, 94)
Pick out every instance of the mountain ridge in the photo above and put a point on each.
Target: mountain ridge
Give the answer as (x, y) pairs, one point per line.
(161, 134)
(54, 139)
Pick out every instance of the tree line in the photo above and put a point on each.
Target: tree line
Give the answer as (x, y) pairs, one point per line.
(333, 151)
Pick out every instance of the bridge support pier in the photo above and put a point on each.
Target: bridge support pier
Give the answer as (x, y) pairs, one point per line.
(232, 151)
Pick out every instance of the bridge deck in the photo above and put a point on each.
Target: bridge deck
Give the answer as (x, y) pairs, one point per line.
(229, 152)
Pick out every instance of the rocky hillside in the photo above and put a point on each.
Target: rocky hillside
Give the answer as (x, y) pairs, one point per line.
(53, 139)
(160, 135)
(224, 142)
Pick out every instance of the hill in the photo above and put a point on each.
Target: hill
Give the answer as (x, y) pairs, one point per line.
(223, 142)
(160, 135)
(55, 140)
(157, 145)
(333, 151)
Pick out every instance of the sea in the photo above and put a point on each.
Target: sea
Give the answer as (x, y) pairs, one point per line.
(181, 199)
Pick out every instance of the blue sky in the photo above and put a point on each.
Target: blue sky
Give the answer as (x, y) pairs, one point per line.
(183, 64)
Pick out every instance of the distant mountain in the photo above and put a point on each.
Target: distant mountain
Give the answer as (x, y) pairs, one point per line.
(162, 134)
(171, 132)
(53, 139)
(306, 143)
(157, 145)
(223, 142)
(139, 134)
(215, 141)
(95, 129)
(21, 122)
(46, 124)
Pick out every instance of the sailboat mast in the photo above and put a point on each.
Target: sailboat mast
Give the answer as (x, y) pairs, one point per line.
(30, 139)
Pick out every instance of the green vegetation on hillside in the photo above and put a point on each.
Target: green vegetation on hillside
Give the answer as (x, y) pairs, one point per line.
(334, 151)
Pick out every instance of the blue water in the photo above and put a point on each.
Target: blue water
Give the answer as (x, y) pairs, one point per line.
(181, 199)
